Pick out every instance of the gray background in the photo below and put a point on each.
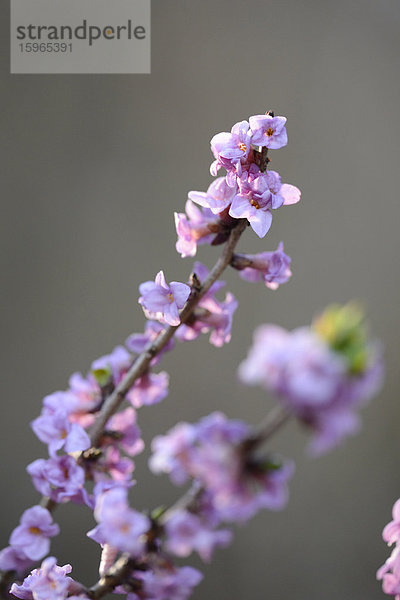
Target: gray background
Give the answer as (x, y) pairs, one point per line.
(93, 168)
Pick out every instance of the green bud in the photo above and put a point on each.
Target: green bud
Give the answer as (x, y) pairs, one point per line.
(103, 375)
(345, 330)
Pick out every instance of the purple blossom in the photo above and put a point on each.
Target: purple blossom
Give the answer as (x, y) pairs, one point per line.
(124, 424)
(137, 342)
(194, 228)
(271, 267)
(218, 317)
(211, 453)
(105, 485)
(254, 202)
(88, 394)
(296, 363)
(268, 131)
(262, 485)
(259, 193)
(113, 464)
(59, 477)
(120, 526)
(149, 389)
(65, 401)
(239, 489)
(231, 149)
(391, 533)
(115, 364)
(50, 582)
(56, 430)
(312, 380)
(167, 583)
(187, 532)
(33, 533)
(171, 452)
(211, 314)
(218, 197)
(161, 301)
(389, 573)
(14, 559)
(281, 193)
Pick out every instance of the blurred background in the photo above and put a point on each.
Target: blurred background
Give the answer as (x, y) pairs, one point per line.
(93, 167)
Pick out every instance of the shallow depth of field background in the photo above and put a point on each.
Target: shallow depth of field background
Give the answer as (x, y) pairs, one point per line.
(93, 168)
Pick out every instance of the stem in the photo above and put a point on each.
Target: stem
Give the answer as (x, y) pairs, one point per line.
(114, 576)
(274, 420)
(142, 362)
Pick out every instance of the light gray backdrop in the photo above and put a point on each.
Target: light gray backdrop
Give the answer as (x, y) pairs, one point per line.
(93, 168)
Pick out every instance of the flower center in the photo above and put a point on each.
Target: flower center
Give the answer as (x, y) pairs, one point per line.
(242, 147)
(170, 298)
(63, 434)
(269, 132)
(255, 204)
(34, 530)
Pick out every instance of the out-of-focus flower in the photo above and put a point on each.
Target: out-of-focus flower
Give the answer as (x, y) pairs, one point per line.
(122, 430)
(56, 430)
(187, 532)
(50, 582)
(33, 534)
(322, 374)
(212, 453)
(59, 477)
(14, 559)
(167, 583)
(119, 525)
(149, 389)
(137, 342)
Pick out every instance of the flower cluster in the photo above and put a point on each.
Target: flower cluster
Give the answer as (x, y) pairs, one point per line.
(247, 192)
(232, 482)
(322, 374)
(389, 573)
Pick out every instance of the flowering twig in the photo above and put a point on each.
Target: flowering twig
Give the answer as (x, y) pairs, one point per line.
(321, 375)
(124, 565)
(142, 362)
